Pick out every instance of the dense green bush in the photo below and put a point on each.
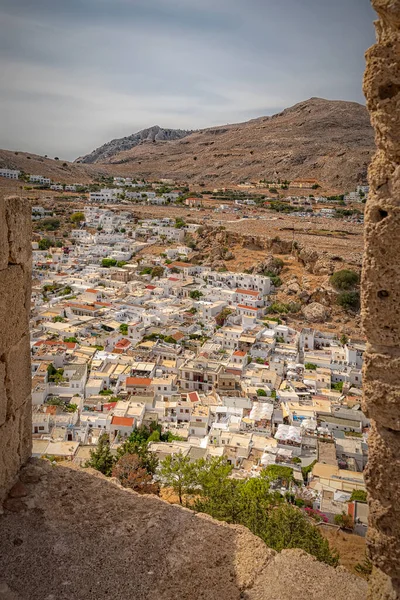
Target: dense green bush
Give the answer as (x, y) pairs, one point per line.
(108, 262)
(344, 280)
(349, 300)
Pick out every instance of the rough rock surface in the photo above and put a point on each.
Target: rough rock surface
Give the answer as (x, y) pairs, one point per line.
(381, 300)
(77, 535)
(15, 370)
(315, 312)
(152, 134)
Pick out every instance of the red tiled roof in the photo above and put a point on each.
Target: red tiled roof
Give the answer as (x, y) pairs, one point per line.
(150, 287)
(193, 397)
(247, 307)
(89, 307)
(239, 353)
(92, 291)
(124, 343)
(109, 405)
(124, 421)
(178, 336)
(70, 345)
(139, 381)
(249, 292)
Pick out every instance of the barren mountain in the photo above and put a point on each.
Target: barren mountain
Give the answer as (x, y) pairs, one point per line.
(111, 149)
(331, 141)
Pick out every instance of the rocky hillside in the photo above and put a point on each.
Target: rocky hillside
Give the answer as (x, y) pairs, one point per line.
(111, 149)
(331, 141)
(57, 170)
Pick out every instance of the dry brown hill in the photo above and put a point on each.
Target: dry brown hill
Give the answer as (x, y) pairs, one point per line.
(57, 170)
(331, 141)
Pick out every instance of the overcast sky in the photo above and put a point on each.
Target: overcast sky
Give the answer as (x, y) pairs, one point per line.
(76, 73)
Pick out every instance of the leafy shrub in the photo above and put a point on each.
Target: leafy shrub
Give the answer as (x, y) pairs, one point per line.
(349, 300)
(344, 521)
(344, 280)
(310, 366)
(108, 262)
(359, 496)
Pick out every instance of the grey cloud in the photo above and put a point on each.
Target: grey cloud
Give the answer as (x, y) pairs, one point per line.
(76, 73)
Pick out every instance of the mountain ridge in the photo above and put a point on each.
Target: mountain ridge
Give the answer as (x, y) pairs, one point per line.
(113, 147)
(331, 141)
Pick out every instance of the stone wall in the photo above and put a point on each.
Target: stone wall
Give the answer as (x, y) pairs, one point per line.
(381, 302)
(15, 371)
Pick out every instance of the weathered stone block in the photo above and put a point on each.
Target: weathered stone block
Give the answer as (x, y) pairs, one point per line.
(18, 215)
(9, 453)
(3, 393)
(382, 478)
(25, 431)
(4, 248)
(18, 373)
(13, 313)
(381, 385)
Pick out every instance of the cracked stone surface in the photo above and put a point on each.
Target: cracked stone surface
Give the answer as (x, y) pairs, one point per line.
(78, 535)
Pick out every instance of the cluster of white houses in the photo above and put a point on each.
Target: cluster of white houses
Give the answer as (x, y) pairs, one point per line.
(120, 342)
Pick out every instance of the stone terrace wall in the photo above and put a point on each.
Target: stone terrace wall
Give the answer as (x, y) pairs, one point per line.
(15, 370)
(381, 302)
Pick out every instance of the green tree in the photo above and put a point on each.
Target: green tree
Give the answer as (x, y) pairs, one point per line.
(195, 294)
(179, 223)
(359, 496)
(101, 458)
(278, 474)
(349, 300)
(287, 527)
(108, 262)
(157, 271)
(344, 280)
(177, 472)
(123, 328)
(344, 521)
(77, 217)
(343, 339)
(261, 392)
(257, 501)
(338, 386)
(310, 366)
(137, 443)
(44, 244)
(49, 224)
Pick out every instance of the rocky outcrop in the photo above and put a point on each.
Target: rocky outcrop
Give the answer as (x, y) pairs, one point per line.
(111, 149)
(74, 534)
(15, 371)
(315, 312)
(381, 301)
